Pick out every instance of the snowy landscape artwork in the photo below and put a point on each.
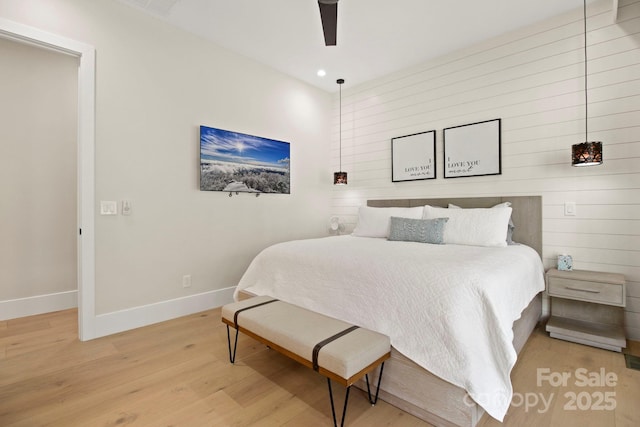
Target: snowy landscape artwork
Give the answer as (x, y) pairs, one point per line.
(236, 162)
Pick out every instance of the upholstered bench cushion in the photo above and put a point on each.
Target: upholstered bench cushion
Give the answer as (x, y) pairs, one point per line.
(298, 330)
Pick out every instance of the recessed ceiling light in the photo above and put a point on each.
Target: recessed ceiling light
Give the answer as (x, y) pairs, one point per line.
(321, 73)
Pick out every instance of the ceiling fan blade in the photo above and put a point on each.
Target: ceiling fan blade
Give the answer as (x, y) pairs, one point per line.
(329, 17)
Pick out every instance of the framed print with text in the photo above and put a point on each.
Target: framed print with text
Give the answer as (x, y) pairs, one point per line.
(473, 149)
(413, 157)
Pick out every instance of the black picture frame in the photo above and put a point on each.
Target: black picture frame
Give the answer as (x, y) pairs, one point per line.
(413, 157)
(473, 149)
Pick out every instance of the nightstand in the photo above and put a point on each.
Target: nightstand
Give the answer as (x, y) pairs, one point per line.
(587, 307)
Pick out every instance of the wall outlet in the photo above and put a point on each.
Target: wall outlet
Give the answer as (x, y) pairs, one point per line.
(186, 281)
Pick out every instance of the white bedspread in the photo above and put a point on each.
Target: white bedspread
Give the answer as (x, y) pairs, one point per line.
(449, 308)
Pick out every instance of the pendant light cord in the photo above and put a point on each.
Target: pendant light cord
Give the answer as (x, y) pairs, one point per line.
(340, 134)
(586, 99)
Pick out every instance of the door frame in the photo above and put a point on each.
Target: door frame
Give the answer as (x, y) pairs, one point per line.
(86, 159)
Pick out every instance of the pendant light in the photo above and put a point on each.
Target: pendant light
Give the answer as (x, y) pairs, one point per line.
(340, 178)
(588, 153)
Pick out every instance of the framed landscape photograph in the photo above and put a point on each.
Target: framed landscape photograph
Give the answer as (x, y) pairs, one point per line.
(413, 157)
(236, 162)
(473, 149)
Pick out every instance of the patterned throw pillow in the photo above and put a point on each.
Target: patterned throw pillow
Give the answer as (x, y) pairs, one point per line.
(417, 230)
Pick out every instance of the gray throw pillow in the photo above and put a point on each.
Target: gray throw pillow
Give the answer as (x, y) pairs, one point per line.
(417, 230)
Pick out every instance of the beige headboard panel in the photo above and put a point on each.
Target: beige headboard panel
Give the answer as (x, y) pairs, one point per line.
(526, 215)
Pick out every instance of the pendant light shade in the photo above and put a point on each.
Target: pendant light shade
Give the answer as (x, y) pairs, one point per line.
(340, 178)
(586, 153)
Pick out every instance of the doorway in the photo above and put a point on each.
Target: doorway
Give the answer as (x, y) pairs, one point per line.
(38, 169)
(85, 242)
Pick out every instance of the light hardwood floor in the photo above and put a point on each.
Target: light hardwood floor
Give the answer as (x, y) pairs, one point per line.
(177, 373)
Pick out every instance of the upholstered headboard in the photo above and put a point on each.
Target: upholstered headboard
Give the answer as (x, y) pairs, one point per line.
(526, 215)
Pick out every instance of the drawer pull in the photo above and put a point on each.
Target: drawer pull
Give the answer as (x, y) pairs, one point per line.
(582, 290)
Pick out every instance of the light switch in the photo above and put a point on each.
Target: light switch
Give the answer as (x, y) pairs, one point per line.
(108, 208)
(126, 207)
(569, 208)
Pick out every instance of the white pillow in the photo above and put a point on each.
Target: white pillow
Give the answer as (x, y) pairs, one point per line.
(375, 222)
(511, 225)
(473, 227)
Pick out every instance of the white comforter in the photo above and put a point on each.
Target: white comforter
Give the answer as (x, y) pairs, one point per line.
(449, 308)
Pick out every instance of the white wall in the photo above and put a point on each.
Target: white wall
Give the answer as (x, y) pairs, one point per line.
(533, 79)
(37, 175)
(155, 85)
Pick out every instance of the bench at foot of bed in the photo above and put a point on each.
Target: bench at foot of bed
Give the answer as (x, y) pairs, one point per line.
(337, 350)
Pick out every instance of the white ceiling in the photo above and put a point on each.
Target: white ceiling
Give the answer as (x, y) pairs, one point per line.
(375, 37)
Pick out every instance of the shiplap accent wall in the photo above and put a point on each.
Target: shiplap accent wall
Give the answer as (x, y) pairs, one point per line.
(533, 79)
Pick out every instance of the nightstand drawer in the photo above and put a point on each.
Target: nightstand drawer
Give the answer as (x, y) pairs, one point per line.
(604, 293)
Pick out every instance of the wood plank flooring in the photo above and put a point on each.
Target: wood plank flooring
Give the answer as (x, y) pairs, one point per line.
(177, 373)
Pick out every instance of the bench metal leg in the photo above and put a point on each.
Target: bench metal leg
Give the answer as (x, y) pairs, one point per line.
(346, 398)
(374, 401)
(333, 410)
(232, 355)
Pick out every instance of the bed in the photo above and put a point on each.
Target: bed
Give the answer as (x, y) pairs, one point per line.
(437, 371)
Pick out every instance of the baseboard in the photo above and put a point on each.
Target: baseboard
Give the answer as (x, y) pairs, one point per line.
(136, 317)
(29, 306)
